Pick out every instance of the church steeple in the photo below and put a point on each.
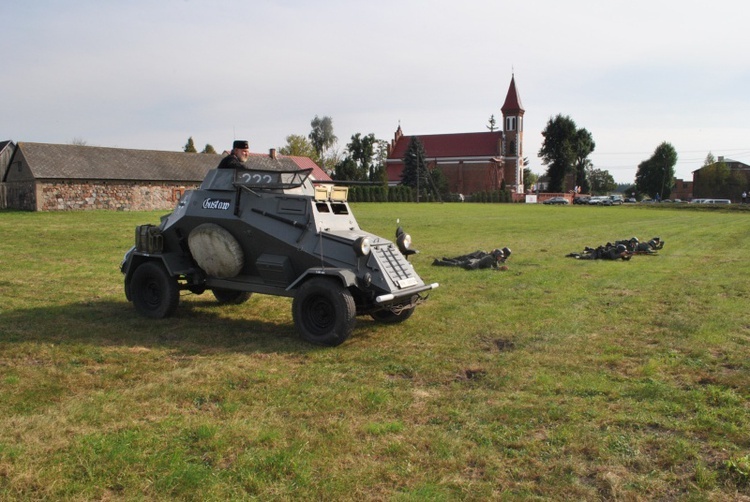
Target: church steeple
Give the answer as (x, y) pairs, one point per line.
(512, 105)
(513, 136)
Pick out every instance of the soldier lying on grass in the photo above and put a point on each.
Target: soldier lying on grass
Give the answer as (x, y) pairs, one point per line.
(476, 260)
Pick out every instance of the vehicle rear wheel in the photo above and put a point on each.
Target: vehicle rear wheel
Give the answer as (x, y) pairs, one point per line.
(155, 293)
(231, 296)
(390, 317)
(324, 312)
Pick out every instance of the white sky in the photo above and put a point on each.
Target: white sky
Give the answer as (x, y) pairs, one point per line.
(149, 74)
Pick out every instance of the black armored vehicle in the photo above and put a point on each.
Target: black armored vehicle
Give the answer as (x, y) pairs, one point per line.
(271, 229)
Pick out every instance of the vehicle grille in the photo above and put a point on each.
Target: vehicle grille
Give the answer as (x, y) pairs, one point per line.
(395, 265)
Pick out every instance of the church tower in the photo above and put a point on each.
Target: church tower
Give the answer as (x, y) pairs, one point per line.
(512, 147)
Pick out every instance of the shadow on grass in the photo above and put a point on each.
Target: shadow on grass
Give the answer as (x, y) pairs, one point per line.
(197, 326)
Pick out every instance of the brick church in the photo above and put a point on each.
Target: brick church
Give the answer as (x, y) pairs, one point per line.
(474, 161)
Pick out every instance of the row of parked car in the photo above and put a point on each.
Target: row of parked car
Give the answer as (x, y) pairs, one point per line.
(596, 200)
(601, 200)
(615, 200)
(693, 201)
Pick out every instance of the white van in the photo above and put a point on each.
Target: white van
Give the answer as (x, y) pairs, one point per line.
(716, 201)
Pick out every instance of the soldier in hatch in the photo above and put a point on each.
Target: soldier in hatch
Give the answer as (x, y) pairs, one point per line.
(237, 157)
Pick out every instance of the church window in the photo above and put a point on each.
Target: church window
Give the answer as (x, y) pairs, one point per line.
(510, 123)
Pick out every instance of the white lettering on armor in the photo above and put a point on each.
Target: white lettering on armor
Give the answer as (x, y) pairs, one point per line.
(215, 204)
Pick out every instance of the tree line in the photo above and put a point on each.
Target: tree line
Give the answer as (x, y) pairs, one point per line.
(565, 152)
(566, 149)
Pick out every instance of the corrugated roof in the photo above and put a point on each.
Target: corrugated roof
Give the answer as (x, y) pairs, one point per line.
(472, 144)
(50, 161)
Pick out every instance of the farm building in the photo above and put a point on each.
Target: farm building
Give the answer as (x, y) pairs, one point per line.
(51, 177)
(725, 178)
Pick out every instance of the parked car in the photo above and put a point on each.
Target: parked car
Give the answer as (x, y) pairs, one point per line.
(581, 199)
(716, 201)
(556, 200)
(600, 200)
(630, 200)
(616, 199)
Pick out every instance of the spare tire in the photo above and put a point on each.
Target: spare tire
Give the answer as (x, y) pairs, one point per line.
(215, 250)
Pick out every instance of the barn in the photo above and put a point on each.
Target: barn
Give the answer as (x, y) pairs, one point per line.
(54, 177)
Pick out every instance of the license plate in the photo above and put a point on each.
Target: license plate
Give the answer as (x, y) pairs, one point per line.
(405, 283)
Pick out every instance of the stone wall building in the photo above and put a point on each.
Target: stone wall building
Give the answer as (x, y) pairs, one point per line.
(50, 177)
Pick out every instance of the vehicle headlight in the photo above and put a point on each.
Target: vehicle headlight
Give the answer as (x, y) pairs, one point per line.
(362, 246)
(404, 242)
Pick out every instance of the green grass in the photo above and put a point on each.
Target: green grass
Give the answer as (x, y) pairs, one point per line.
(556, 379)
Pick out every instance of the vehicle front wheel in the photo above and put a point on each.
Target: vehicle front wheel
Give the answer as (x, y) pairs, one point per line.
(154, 292)
(324, 311)
(230, 296)
(390, 317)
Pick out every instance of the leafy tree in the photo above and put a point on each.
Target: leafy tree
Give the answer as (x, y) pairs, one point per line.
(493, 123)
(347, 170)
(190, 146)
(362, 150)
(558, 150)
(321, 136)
(379, 172)
(655, 176)
(716, 180)
(710, 159)
(584, 145)
(329, 160)
(365, 160)
(208, 149)
(323, 141)
(600, 181)
(529, 179)
(299, 146)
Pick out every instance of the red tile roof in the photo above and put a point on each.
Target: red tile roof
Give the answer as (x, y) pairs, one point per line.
(302, 162)
(472, 144)
(307, 163)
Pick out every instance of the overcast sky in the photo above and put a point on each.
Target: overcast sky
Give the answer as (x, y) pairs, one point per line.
(149, 74)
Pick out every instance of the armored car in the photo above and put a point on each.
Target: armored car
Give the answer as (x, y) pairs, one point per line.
(271, 229)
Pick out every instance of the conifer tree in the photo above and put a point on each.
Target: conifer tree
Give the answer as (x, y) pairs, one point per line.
(190, 146)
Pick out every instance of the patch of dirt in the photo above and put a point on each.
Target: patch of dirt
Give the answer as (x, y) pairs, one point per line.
(504, 345)
(473, 374)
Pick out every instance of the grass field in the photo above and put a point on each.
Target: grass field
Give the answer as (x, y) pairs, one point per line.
(557, 379)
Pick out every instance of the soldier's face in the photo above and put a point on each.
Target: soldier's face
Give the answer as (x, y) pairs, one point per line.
(242, 153)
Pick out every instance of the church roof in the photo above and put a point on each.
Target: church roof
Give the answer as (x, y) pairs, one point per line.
(471, 144)
(512, 99)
